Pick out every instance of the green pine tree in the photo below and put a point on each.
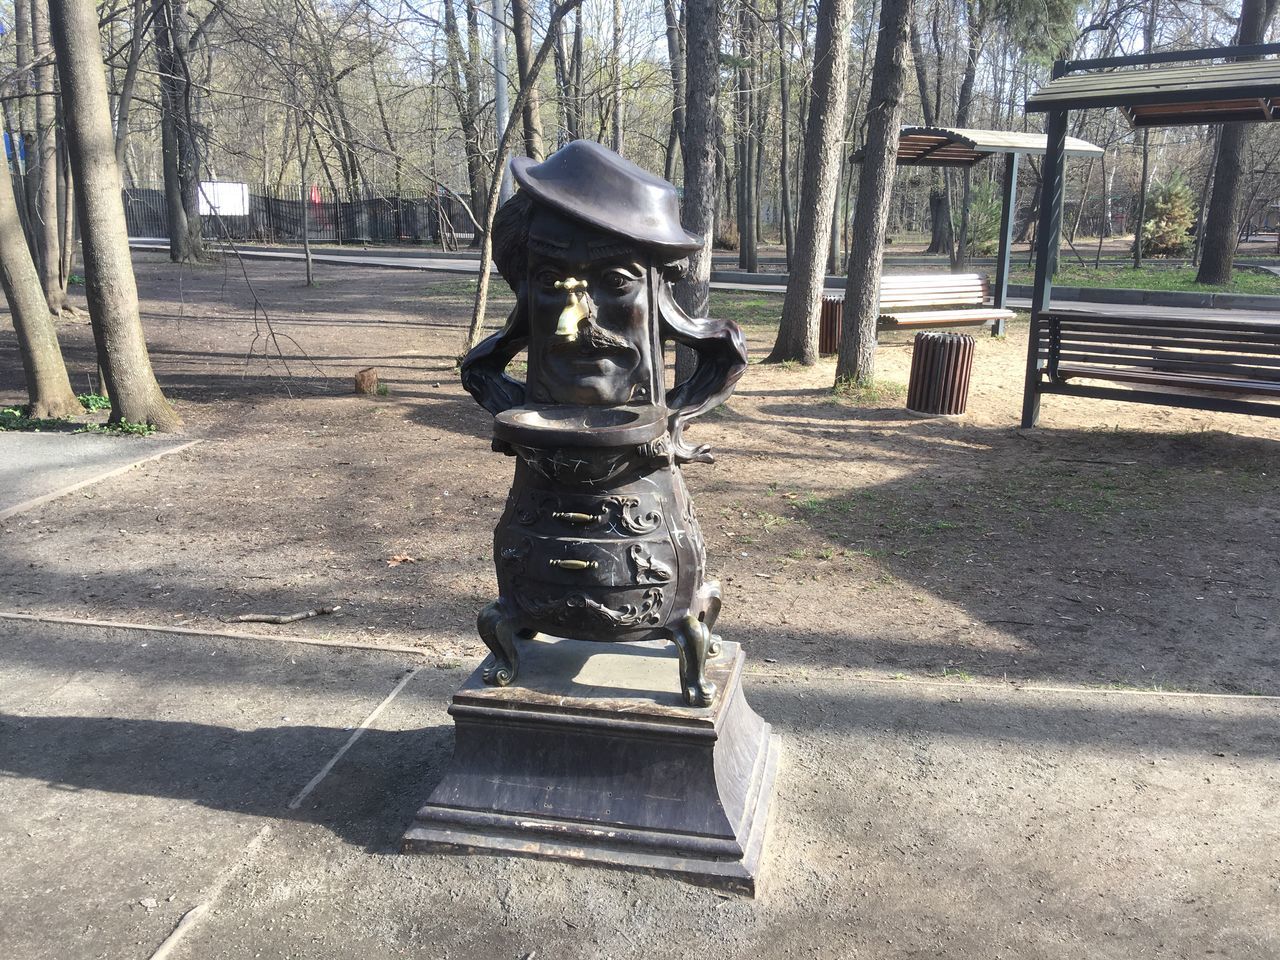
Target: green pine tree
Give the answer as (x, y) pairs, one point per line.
(1170, 215)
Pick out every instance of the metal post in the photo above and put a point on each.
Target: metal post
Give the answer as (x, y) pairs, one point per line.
(1008, 214)
(1048, 234)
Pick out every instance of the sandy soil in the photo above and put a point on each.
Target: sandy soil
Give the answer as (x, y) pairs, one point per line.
(1116, 545)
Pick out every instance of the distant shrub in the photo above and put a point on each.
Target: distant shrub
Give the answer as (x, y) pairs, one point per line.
(984, 220)
(1170, 215)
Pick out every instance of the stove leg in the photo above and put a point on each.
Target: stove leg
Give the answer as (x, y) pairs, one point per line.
(709, 596)
(692, 638)
(502, 664)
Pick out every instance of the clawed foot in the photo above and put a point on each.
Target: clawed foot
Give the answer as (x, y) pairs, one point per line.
(693, 640)
(497, 673)
(501, 666)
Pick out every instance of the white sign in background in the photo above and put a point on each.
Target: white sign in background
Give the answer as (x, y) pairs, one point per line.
(224, 199)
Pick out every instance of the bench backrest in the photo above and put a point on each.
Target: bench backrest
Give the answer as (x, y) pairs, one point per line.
(921, 291)
(1218, 346)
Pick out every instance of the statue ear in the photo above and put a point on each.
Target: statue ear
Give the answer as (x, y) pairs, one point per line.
(722, 359)
(483, 367)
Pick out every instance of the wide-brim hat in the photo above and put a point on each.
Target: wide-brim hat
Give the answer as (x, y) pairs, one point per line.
(589, 182)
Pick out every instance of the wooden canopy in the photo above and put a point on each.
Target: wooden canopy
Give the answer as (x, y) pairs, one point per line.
(1174, 94)
(959, 147)
(1172, 88)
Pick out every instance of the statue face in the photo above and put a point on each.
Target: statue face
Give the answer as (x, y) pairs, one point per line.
(590, 336)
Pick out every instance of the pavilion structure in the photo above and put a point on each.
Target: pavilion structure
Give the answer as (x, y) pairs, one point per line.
(962, 147)
(1176, 88)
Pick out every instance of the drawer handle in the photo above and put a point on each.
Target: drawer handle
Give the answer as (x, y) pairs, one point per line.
(575, 564)
(582, 518)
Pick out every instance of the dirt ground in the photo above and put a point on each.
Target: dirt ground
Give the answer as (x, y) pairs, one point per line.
(1117, 545)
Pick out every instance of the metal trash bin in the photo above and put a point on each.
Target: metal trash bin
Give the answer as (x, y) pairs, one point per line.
(829, 322)
(941, 364)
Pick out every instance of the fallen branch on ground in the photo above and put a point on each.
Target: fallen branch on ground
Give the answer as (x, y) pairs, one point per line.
(283, 618)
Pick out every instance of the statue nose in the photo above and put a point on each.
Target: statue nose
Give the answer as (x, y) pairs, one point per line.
(578, 308)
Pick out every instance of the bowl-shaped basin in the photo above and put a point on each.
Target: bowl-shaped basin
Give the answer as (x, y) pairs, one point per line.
(574, 426)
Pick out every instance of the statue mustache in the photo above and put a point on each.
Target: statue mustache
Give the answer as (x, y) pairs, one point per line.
(591, 336)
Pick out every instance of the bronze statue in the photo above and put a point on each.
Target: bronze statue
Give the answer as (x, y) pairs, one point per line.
(599, 540)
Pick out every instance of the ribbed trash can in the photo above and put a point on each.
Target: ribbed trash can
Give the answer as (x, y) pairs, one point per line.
(941, 364)
(829, 322)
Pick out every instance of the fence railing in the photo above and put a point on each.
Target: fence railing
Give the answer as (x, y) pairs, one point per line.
(277, 217)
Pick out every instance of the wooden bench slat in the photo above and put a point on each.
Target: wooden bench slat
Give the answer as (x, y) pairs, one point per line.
(1170, 379)
(1163, 322)
(944, 317)
(1250, 345)
(1253, 335)
(1163, 365)
(1107, 353)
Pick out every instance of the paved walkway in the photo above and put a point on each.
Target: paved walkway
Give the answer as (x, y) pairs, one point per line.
(38, 467)
(462, 266)
(257, 789)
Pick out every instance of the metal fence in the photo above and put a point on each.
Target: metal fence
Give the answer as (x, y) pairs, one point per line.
(277, 217)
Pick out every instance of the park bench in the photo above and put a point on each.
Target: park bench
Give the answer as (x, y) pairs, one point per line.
(1207, 360)
(937, 300)
(919, 301)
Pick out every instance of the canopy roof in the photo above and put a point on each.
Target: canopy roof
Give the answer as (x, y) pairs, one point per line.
(1172, 95)
(954, 147)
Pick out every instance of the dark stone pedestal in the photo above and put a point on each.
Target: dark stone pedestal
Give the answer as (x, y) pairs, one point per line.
(594, 757)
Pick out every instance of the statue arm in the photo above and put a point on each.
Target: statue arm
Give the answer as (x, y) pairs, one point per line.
(483, 367)
(722, 359)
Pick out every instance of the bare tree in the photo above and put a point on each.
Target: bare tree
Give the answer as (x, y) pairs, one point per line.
(48, 387)
(480, 306)
(462, 80)
(45, 219)
(1222, 222)
(784, 113)
(856, 361)
(703, 28)
(747, 146)
(109, 282)
(176, 44)
(675, 60)
(798, 332)
(522, 27)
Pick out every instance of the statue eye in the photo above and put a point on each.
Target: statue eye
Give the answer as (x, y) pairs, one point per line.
(547, 279)
(616, 281)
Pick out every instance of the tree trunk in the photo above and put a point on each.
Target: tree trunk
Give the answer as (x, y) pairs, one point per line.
(856, 361)
(26, 196)
(675, 57)
(784, 162)
(703, 27)
(124, 101)
(1222, 223)
(798, 331)
(49, 260)
(66, 217)
(1140, 207)
(48, 387)
(179, 130)
(748, 193)
(522, 26)
(462, 83)
(109, 282)
(618, 125)
(490, 209)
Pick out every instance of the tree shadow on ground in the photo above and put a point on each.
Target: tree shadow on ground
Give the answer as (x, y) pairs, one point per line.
(153, 724)
(1102, 557)
(368, 801)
